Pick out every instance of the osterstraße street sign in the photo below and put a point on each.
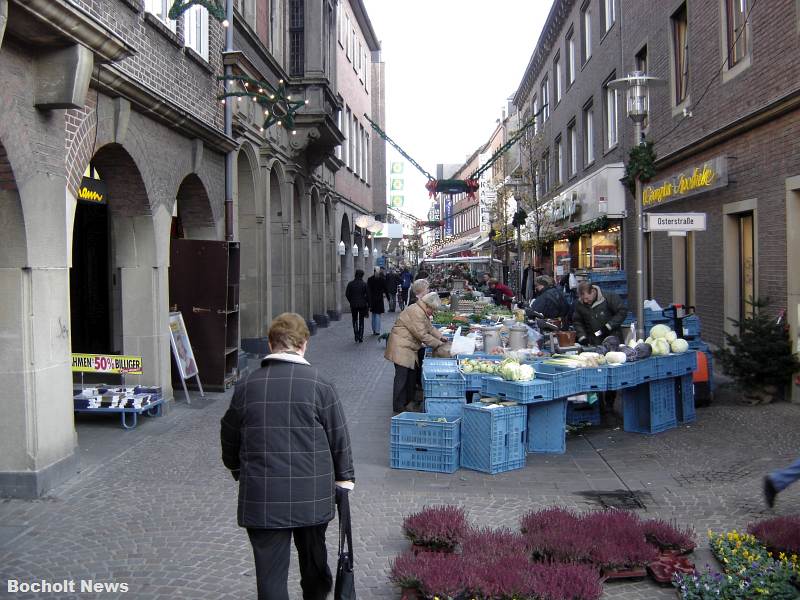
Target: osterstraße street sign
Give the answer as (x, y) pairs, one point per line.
(676, 221)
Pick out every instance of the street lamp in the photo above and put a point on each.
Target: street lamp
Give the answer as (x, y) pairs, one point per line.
(364, 221)
(638, 85)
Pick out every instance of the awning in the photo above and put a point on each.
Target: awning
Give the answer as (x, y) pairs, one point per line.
(460, 245)
(481, 243)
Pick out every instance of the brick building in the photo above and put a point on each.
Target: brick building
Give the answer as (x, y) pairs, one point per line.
(112, 95)
(729, 111)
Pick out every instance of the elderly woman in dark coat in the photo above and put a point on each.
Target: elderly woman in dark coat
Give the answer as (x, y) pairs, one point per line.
(285, 440)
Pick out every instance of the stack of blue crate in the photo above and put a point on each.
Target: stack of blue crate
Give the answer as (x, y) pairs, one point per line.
(425, 443)
(444, 388)
(691, 333)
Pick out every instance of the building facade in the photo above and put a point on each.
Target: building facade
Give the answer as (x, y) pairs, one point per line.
(113, 151)
(724, 128)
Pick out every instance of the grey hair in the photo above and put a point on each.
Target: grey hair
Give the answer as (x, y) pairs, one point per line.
(419, 286)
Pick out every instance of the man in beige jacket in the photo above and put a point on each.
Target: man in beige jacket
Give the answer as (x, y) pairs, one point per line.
(411, 331)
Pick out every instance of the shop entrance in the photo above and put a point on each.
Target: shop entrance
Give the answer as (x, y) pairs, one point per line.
(89, 278)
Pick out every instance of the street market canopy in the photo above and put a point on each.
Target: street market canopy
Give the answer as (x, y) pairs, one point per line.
(460, 245)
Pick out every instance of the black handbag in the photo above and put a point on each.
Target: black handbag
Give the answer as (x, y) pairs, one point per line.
(345, 582)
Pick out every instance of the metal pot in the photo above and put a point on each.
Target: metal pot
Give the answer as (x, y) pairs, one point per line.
(518, 337)
(491, 338)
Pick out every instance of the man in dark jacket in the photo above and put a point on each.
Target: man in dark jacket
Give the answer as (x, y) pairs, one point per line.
(598, 315)
(392, 283)
(285, 440)
(550, 300)
(356, 294)
(376, 289)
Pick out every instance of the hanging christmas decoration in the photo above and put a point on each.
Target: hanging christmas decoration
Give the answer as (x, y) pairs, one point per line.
(215, 8)
(578, 230)
(641, 164)
(278, 106)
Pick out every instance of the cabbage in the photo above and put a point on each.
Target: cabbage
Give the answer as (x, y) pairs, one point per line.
(660, 347)
(671, 336)
(526, 373)
(679, 346)
(615, 358)
(659, 331)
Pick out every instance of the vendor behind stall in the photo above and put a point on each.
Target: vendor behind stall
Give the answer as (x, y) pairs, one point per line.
(501, 293)
(550, 300)
(598, 315)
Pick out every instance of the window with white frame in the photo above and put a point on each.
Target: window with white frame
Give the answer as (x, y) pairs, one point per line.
(611, 115)
(339, 125)
(557, 76)
(349, 33)
(195, 30)
(588, 133)
(356, 147)
(160, 9)
(545, 95)
(558, 167)
(572, 149)
(340, 24)
(348, 138)
(608, 13)
(570, 63)
(680, 55)
(586, 32)
(368, 157)
(536, 117)
(736, 12)
(545, 173)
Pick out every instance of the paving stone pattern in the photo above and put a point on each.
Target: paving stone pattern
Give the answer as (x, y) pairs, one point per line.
(155, 507)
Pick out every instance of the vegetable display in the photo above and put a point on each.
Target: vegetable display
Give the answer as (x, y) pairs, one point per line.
(473, 365)
(510, 370)
(663, 341)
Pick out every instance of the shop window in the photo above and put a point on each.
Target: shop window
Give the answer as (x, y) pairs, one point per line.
(585, 252)
(680, 55)
(195, 30)
(604, 248)
(562, 259)
(747, 275)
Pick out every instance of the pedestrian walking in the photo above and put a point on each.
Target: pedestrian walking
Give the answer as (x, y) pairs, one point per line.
(779, 480)
(412, 331)
(285, 440)
(392, 287)
(376, 289)
(357, 296)
(405, 285)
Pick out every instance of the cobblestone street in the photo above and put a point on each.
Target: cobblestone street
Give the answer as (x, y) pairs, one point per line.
(155, 507)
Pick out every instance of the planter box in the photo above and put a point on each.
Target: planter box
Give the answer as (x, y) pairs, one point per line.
(629, 573)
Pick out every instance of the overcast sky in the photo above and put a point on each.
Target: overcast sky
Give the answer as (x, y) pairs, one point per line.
(450, 65)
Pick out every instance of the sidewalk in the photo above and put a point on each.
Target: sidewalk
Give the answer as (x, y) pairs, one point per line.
(155, 507)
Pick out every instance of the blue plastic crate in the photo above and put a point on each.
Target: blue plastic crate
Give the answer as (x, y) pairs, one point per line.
(442, 363)
(684, 399)
(600, 276)
(445, 407)
(582, 412)
(666, 366)
(593, 379)
(416, 429)
(428, 351)
(474, 380)
(566, 380)
(646, 370)
(650, 407)
(547, 427)
(685, 363)
(691, 326)
(493, 439)
(440, 382)
(436, 460)
(524, 392)
(622, 376)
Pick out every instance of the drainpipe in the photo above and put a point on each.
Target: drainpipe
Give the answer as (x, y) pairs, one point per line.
(228, 128)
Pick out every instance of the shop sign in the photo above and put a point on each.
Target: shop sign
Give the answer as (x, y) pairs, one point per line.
(711, 175)
(565, 207)
(92, 191)
(106, 363)
(676, 221)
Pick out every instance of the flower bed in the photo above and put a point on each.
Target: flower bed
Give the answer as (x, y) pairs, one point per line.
(781, 534)
(437, 527)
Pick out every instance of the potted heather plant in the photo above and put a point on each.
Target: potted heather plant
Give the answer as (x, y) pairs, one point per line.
(439, 528)
(406, 571)
(554, 581)
(556, 534)
(779, 535)
(668, 537)
(621, 550)
(441, 575)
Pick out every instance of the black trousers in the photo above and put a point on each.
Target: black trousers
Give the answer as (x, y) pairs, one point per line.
(358, 324)
(404, 387)
(420, 359)
(271, 550)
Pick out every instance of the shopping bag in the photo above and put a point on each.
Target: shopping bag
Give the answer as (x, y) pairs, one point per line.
(462, 344)
(345, 588)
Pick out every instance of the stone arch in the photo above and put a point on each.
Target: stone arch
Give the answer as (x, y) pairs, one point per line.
(302, 238)
(127, 231)
(279, 240)
(13, 250)
(193, 216)
(332, 269)
(252, 237)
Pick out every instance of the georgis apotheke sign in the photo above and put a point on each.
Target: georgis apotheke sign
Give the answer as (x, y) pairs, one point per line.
(92, 191)
(711, 175)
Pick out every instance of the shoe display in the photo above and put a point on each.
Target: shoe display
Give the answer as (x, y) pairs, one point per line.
(769, 492)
